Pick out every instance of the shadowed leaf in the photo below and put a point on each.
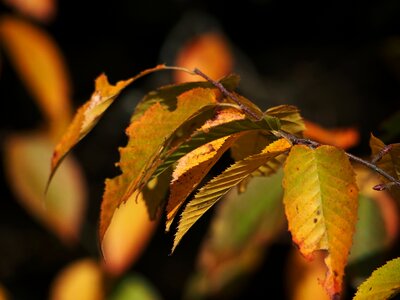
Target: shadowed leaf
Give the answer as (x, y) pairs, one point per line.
(134, 286)
(321, 205)
(382, 284)
(289, 117)
(216, 188)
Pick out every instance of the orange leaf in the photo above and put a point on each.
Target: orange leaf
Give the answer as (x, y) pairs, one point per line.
(81, 280)
(146, 135)
(127, 235)
(26, 166)
(343, 138)
(40, 64)
(208, 52)
(41, 10)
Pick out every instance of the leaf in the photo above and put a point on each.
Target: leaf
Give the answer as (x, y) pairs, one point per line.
(130, 230)
(382, 284)
(289, 117)
(202, 137)
(89, 114)
(4, 294)
(209, 52)
(81, 280)
(233, 250)
(146, 135)
(222, 184)
(320, 201)
(41, 66)
(62, 210)
(135, 286)
(340, 137)
(41, 10)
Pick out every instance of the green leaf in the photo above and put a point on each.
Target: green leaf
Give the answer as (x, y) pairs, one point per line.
(290, 118)
(222, 184)
(320, 198)
(135, 286)
(383, 283)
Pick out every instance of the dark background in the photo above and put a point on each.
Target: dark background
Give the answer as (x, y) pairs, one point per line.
(337, 61)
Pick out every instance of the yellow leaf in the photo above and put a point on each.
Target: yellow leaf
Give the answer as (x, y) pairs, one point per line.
(89, 114)
(191, 169)
(26, 166)
(208, 52)
(81, 280)
(216, 188)
(290, 118)
(128, 235)
(390, 161)
(146, 135)
(40, 64)
(340, 137)
(383, 283)
(41, 10)
(321, 199)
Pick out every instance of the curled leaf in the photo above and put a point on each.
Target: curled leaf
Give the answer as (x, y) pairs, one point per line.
(320, 198)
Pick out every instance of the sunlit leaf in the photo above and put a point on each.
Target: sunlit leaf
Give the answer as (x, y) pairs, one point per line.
(382, 284)
(340, 137)
(130, 230)
(321, 206)
(135, 287)
(209, 52)
(146, 135)
(289, 117)
(390, 162)
(26, 165)
(81, 280)
(41, 10)
(40, 64)
(195, 165)
(304, 277)
(234, 249)
(89, 114)
(216, 188)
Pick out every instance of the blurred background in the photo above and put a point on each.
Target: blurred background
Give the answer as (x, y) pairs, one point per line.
(339, 63)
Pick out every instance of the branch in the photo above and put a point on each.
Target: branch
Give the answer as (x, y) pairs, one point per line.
(310, 143)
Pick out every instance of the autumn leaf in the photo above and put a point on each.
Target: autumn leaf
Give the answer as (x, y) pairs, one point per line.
(26, 158)
(340, 137)
(81, 280)
(209, 52)
(390, 161)
(147, 135)
(289, 117)
(216, 188)
(383, 283)
(131, 228)
(89, 114)
(41, 10)
(41, 66)
(4, 294)
(320, 201)
(233, 250)
(134, 286)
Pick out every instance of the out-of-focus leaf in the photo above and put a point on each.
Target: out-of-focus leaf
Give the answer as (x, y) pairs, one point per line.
(216, 188)
(26, 165)
(131, 229)
(40, 64)
(235, 249)
(304, 277)
(195, 165)
(289, 117)
(4, 295)
(209, 52)
(390, 162)
(89, 114)
(321, 197)
(147, 136)
(340, 137)
(81, 280)
(383, 283)
(135, 286)
(41, 10)
(376, 229)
